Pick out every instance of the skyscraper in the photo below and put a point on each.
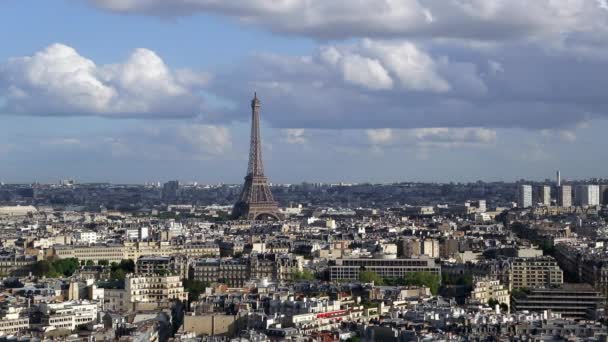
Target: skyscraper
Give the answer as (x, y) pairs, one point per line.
(544, 195)
(564, 196)
(525, 196)
(256, 201)
(588, 195)
(170, 192)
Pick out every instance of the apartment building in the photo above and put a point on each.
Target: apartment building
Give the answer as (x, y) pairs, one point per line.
(153, 288)
(535, 272)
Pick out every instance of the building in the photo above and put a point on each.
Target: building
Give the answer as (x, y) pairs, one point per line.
(544, 195)
(137, 233)
(86, 236)
(485, 290)
(576, 301)
(564, 196)
(408, 247)
(524, 196)
(233, 272)
(535, 272)
(14, 320)
(349, 269)
(154, 289)
(588, 195)
(170, 192)
(68, 315)
(162, 265)
(430, 248)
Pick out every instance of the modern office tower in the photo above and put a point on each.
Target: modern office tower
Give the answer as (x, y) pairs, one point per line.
(564, 196)
(525, 196)
(559, 179)
(170, 191)
(256, 201)
(588, 195)
(544, 195)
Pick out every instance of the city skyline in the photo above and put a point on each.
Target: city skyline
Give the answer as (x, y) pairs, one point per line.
(142, 91)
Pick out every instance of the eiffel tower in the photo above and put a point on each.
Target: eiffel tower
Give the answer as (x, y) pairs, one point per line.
(256, 201)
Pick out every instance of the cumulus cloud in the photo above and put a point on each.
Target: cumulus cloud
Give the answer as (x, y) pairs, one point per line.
(60, 81)
(469, 19)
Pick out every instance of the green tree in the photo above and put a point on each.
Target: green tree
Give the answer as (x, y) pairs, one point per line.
(370, 276)
(90, 263)
(304, 275)
(103, 262)
(194, 288)
(118, 274)
(430, 280)
(41, 268)
(127, 265)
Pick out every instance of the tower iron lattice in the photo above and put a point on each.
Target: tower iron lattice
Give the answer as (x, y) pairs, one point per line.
(255, 201)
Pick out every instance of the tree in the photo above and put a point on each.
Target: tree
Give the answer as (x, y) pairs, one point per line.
(90, 263)
(304, 275)
(118, 274)
(128, 265)
(41, 268)
(428, 279)
(369, 277)
(194, 288)
(103, 262)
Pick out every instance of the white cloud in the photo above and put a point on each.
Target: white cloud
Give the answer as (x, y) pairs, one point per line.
(295, 136)
(59, 81)
(365, 72)
(380, 136)
(206, 139)
(441, 137)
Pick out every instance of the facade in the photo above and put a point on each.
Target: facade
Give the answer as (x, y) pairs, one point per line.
(133, 250)
(588, 195)
(349, 269)
(86, 236)
(571, 300)
(68, 315)
(154, 289)
(430, 248)
(524, 199)
(485, 290)
(14, 321)
(236, 271)
(408, 247)
(544, 195)
(162, 265)
(170, 192)
(535, 272)
(12, 264)
(564, 196)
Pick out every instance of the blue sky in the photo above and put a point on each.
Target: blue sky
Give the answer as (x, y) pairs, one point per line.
(380, 91)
